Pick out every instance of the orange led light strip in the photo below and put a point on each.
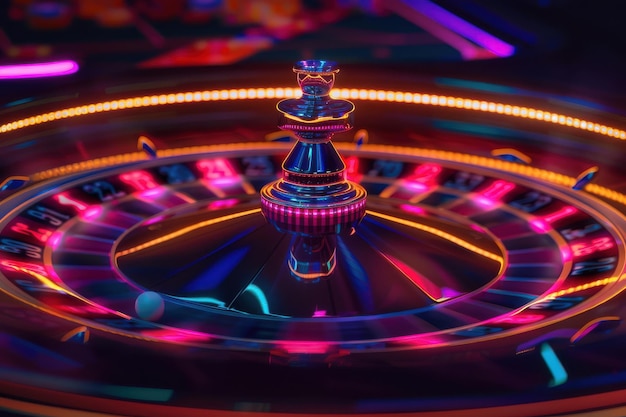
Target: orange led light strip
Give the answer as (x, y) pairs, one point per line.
(344, 93)
(185, 230)
(440, 233)
(582, 287)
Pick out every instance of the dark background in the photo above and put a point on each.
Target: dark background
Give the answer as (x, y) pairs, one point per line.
(573, 47)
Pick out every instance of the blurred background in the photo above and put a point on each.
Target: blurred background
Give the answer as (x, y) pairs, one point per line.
(573, 47)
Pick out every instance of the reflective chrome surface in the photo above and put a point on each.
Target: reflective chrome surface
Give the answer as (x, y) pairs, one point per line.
(385, 267)
(313, 199)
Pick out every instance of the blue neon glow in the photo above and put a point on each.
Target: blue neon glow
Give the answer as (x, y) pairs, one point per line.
(357, 275)
(13, 183)
(585, 178)
(24, 145)
(512, 293)
(217, 271)
(18, 102)
(559, 374)
(566, 101)
(20, 349)
(260, 296)
(149, 149)
(224, 245)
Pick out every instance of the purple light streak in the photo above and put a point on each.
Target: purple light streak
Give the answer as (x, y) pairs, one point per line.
(462, 27)
(39, 70)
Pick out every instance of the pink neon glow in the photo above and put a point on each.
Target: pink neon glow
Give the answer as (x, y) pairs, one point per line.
(24, 266)
(82, 309)
(497, 190)
(413, 209)
(141, 180)
(484, 201)
(55, 240)
(224, 181)
(300, 218)
(153, 192)
(40, 234)
(92, 213)
(477, 228)
(540, 226)
(176, 335)
(42, 69)
(352, 169)
(213, 169)
(521, 318)
(566, 254)
(592, 246)
(153, 220)
(67, 201)
(418, 186)
(52, 274)
(222, 204)
(564, 212)
(319, 313)
(490, 196)
(449, 293)
(425, 174)
(423, 283)
(312, 347)
(419, 340)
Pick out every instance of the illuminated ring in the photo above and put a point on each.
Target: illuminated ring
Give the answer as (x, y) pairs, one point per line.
(313, 220)
(462, 103)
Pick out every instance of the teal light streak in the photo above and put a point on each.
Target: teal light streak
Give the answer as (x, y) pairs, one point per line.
(92, 388)
(137, 393)
(476, 85)
(18, 102)
(559, 374)
(474, 128)
(512, 293)
(204, 300)
(260, 296)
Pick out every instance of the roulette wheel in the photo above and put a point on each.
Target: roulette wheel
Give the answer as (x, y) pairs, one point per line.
(168, 252)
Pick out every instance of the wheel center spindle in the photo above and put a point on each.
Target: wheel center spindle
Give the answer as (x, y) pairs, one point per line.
(314, 201)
